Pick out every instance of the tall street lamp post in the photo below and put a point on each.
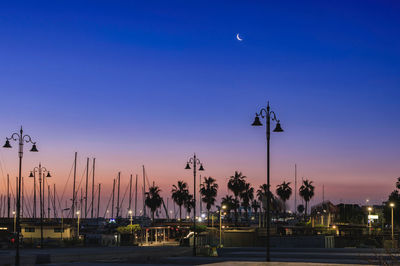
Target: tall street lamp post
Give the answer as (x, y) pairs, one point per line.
(130, 216)
(194, 161)
(223, 207)
(41, 171)
(268, 115)
(392, 206)
(78, 213)
(369, 220)
(21, 138)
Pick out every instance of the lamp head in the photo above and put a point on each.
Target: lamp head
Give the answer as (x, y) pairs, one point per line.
(391, 204)
(257, 121)
(278, 127)
(31, 174)
(7, 144)
(48, 174)
(369, 208)
(187, 166)
(34, 149)
(201, 167)
(223, 207)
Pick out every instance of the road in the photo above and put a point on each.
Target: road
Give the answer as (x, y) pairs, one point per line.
(182, 256)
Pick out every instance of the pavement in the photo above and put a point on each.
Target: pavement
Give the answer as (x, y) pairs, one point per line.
(182, 256)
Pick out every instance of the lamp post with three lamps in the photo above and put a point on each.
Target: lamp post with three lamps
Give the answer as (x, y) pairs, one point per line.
(268, 115)
(194, 161)
(41, 171)
(20, 138)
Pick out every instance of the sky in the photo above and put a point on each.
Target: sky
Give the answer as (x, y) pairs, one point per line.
(135, 83)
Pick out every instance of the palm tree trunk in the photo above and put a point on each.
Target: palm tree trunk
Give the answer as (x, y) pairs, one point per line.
(208, 217)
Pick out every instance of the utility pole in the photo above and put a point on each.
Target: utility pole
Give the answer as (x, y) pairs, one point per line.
(73, 188)
(94, 161)
(86, 189)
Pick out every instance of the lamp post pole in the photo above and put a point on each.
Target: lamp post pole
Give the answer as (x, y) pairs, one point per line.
(41, 171)
(369, 220)
(392, 206)
(223, 207)
(194, 161)
(268, 115)
(21, 138)
(78, 214)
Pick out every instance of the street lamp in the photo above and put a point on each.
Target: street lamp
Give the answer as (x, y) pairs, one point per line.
(392, 206)
(194, 161)
(21, 138)
(223, 207)
(79, 216)
(130, 214)
(41, 170)
(268, 115)
(369, 220)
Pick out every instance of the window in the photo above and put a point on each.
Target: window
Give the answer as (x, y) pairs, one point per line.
(29, 229)
(58, 230)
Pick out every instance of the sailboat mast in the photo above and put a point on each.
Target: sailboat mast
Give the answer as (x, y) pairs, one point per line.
(144, 192)
(73, 188)
(54, 201)
(98, 202)
(295, 188)
(94, 161)
(119, 184)
(130, 193)
(86, 188)
(48, 201)
(136, 195)
(112, 203)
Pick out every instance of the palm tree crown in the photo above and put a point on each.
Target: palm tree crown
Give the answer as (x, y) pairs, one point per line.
(307, 192)
(179, 195)
(208, 190)
(153, 199)
(284, 191)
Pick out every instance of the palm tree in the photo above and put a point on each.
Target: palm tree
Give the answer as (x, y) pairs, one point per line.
(179, 195)
(189, 203)
(236, 184)
(209, 192)
(247, 196)
(398, 183)
(153, 199)
(284, 191)
(307, 192)
(229, 202)
(255, 205)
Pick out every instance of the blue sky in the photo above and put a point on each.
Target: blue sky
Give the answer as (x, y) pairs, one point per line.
(151, 82)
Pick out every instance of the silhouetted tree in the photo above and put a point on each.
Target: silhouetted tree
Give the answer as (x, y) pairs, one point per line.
(229, 202)
(247, 195)
(300, 208)
(153, 199)
(284, 191)
(398, 183)
(307, 192)
(208, 190)
(236, 184)
(189, 203)
(179, 195)
(255, 205)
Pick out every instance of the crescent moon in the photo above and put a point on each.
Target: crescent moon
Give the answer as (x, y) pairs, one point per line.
(238, 37)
